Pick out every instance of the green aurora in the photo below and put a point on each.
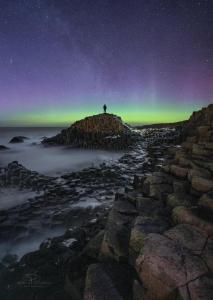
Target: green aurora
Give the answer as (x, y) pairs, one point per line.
(143, 114)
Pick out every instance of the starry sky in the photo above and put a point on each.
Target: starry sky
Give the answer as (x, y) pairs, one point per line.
(150, 61)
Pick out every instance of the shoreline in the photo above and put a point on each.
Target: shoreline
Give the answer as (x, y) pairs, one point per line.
(92, 220)
(153, 241)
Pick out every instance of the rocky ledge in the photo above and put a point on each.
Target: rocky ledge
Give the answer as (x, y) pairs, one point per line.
(103, 131)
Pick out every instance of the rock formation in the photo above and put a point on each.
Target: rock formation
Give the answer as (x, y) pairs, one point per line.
(2, 147)
(156, 242)
(164, 227)
(18, 139)
(103, 131)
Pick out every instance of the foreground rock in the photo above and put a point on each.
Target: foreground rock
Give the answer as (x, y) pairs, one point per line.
(103, 131)
(108, 281)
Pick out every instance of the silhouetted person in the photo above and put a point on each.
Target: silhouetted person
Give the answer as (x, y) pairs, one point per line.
(105, 108)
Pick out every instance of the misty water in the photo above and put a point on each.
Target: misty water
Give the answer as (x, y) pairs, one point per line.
(52, 161)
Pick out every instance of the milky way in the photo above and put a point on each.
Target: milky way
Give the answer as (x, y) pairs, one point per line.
(149, 61)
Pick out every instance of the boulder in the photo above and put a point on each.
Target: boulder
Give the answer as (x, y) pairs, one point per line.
(160, 191)
(198, 172)
(179, 199)
(92, 249)
(183, 215)
(157, 186)
(202, 185)
(125, 207)
(200, 150)
(143, 226)
(108, 281)
(206, 201)
(180, 186)
(188, 236)
(2, 147)
(99, 285)
(115, 243)
(18, 139)
(163, 266)
(179, 171)
(149, 207)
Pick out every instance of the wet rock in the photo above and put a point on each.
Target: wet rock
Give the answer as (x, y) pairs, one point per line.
(18, 139)
(9, 259)
(2, 147)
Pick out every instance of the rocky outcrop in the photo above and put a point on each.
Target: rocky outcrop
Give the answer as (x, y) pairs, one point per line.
(2, 148)
(199, 125)
(103, 131)
(164, 227)
(18, 139)
(16, 175)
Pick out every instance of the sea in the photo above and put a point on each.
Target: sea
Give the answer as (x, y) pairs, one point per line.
(53, 160)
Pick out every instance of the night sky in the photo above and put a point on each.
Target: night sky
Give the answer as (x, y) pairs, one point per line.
(149, 60)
